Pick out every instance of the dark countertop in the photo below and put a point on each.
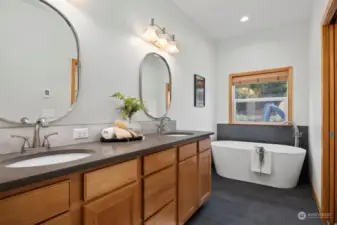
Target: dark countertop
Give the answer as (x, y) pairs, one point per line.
(103, 153)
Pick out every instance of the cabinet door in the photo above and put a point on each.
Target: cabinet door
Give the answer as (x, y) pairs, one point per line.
(188, 189)
(159, 190)
(166, 216)
(27, 208)
(121, 207)
(60, 220)
(204, 176)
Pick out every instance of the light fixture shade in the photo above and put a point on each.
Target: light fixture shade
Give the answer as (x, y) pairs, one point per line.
(172, 47)
(150, 34)
(162, 41)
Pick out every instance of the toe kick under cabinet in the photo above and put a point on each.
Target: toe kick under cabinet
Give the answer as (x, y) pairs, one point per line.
(163, 188)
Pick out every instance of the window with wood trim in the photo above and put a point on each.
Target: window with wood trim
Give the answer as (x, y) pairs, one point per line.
(261, 97)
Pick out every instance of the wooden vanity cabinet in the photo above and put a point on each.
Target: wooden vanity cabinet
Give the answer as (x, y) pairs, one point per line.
(187, 151)
(36, 205)
(64, 219)
(204, 176)
(102, 181)
(163, 188)
(160, 188)
(166, 216)
(204, 145)
(204, 170)
(194, 178)
(113, 195)
(118, 208)
(157, 161)
(187, 189)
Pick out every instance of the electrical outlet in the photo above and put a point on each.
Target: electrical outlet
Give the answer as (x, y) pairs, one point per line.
(80, 133)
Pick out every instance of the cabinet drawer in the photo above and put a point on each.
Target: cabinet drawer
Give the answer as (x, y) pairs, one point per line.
(35, 206)
(166, 216)
(204, 144)
(187, 151)
(121, 207)
(159, 189)
(60, 220)
(160, 160)
(104, 180)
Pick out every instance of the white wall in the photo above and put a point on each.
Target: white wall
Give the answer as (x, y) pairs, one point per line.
(112, 50)
(315, 96)
(265, 49)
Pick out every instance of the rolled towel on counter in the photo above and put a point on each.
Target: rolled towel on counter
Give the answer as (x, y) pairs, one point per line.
(108, 133)
(124, 133)
(121, 124)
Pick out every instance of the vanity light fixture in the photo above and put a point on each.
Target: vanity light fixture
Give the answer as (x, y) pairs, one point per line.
(150, 33)
(162, 41)
(172, 45)
(160, 38)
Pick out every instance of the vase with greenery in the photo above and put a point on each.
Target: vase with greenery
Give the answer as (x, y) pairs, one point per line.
(130, 106)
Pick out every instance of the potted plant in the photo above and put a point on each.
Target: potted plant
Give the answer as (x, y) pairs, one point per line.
(130, 106)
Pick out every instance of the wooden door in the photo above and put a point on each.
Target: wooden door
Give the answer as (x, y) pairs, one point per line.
(121, 207)
(329, 126)
(187, 189)
(329, 166)
(204, 176)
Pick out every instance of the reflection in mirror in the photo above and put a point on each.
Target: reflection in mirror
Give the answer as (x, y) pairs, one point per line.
(155, 85)
(39, 60)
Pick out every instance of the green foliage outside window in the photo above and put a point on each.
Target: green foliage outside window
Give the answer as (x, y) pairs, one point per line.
(262, 90)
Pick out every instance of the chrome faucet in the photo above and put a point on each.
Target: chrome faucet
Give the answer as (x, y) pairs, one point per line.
(297, 134)
(36, 138)
(25, 141)
(46, 142)
(161, 126)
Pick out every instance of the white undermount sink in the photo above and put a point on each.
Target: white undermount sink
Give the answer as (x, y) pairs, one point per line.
(178, 134)
(48, 158)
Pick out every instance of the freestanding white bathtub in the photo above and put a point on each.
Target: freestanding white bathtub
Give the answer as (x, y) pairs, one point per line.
(232, 160)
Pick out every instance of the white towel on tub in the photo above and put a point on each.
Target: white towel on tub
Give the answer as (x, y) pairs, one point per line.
(255, 162)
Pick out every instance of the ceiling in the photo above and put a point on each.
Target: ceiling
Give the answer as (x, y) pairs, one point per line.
(221, 18)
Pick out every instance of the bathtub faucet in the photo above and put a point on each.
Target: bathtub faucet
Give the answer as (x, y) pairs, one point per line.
(297, 134)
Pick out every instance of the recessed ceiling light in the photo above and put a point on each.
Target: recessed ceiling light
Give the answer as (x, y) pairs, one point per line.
(244, 19)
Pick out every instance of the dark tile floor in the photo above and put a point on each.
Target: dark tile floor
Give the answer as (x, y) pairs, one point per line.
(240, 203)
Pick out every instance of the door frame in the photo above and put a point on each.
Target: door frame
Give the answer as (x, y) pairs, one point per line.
(329, 125)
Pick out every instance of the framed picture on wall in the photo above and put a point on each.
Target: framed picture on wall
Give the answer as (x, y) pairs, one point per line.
(199, 91)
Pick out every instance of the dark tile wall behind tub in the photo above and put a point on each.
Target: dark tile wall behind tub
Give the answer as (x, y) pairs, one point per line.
(266, 134)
